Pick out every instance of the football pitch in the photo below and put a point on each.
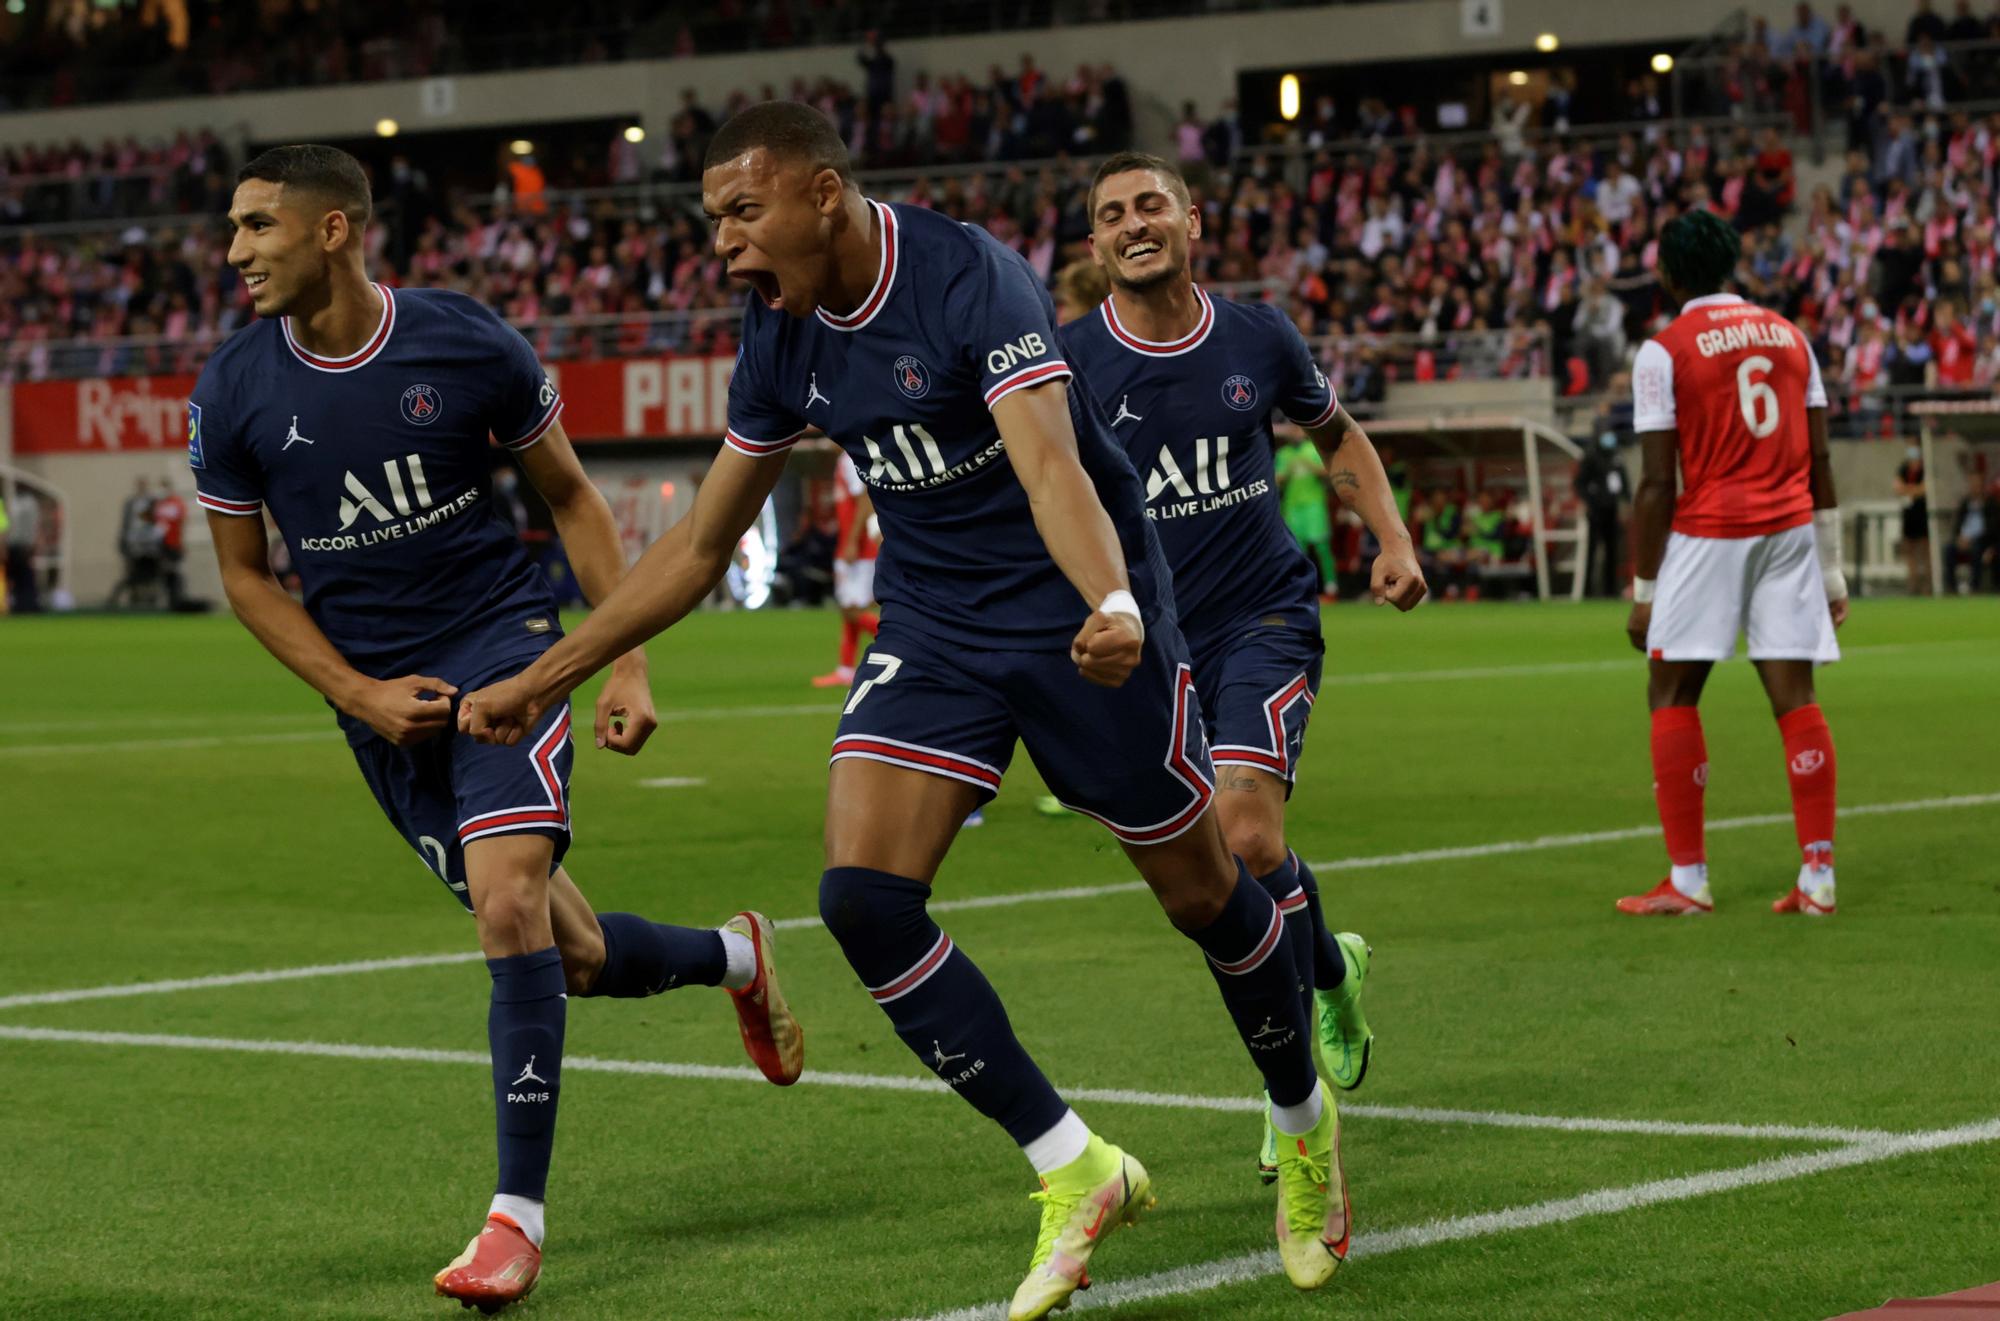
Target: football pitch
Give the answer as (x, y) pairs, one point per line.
(242, 1029)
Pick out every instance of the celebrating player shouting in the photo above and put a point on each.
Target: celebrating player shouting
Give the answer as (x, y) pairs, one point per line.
(1733, 392)
(360, 417)
(1196, 380)
(1003, 498)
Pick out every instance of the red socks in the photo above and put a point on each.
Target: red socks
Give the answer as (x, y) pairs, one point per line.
(1809, 767)
(849, 636)
(870, 622)
(1680, 774)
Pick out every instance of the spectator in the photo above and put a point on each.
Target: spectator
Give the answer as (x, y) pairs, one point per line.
(1602, 487)
(1600, 332)
(169, 516)
(1953, 347)
(1915, 546)
(1975, 540)
(1808, 33)
(1924, 23)
(879, 70)
(1510, 121)
(1964, 27)
(21, 522)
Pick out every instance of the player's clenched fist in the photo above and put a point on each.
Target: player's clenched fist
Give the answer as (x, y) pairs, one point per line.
(499, 714)
(1397, 579)
(625, 715)
(1107, 650)
(404, 711)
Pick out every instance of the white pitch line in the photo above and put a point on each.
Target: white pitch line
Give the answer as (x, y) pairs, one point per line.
(913, 1083)
(673, 782)
(1602, 1202)
(999, 900)
(234, 979)
(329, 733)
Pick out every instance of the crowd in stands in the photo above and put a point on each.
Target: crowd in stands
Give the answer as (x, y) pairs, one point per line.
(75, 52)
(1544, 237)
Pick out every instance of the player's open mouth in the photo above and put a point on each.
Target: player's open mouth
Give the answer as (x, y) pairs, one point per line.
(255, 281)
(1143, 248)
(766, 285)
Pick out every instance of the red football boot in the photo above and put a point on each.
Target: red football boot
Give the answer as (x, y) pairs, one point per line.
(1663, 900)
(500, 1266)
(773, 1038)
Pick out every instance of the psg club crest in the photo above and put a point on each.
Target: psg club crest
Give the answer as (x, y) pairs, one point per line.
(422, 405)
(1240, 393)
(912, 377)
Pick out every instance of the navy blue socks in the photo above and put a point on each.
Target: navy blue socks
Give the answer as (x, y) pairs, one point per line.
(645, 958)
(1252, 963)
(1329, 969)
(940, 1003)
(525, 1029)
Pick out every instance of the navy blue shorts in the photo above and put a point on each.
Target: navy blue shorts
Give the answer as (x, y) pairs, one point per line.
(447, 791)
(1257, 691)
(1133, 757)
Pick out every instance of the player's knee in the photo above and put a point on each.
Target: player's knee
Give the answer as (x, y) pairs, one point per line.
(512, 920)
(860, 904)
(1261, 848)
(582, 957)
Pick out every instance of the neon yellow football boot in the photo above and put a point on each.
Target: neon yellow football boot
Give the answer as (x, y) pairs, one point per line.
(1345, 1039)
(1081, 1204)
(1315, 1219)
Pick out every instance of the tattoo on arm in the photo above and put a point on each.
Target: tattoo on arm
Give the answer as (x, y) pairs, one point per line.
(1344, 479)
(1240, 781)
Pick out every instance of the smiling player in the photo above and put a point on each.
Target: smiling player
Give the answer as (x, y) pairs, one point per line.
(1197, 380)
(360, 417)
(1007, 512)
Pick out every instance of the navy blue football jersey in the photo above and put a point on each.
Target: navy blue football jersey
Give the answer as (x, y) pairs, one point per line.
(1194, 415)
(375, 468)
(906, 386)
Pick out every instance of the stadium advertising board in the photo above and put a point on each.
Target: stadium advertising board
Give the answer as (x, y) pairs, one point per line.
(619, 399)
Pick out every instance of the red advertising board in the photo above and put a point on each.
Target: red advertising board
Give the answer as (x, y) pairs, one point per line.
(617, 399)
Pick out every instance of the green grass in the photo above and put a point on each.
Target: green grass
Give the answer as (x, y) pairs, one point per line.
(143, 1182)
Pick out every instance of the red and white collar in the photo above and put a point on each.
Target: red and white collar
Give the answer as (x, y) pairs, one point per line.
(891, 252)
(362, 356)
(1711, 300)
(1158, 349)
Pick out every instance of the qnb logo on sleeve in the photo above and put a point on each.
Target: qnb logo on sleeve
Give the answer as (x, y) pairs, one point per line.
(1025, 349)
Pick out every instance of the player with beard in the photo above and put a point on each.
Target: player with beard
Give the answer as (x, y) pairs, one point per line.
(1196, 381)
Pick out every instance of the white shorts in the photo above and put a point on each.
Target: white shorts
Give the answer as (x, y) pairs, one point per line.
(1711, 589)
(854, 584)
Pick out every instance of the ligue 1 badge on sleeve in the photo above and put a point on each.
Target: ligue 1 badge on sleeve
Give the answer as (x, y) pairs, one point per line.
(194, 435)
(421, 405)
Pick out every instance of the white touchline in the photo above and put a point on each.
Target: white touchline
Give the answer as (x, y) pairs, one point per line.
(975, 902)
(329, 734)
(1603, 1202)
(673, 782)
(883, 1082)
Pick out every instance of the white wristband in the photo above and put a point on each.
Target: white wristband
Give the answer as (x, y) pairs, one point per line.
(1121, 602)
(1642, 591)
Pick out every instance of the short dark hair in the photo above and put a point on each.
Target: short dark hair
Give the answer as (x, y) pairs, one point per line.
(789, 130)
(1124, 162)
(328, 171)
(1699, 251)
